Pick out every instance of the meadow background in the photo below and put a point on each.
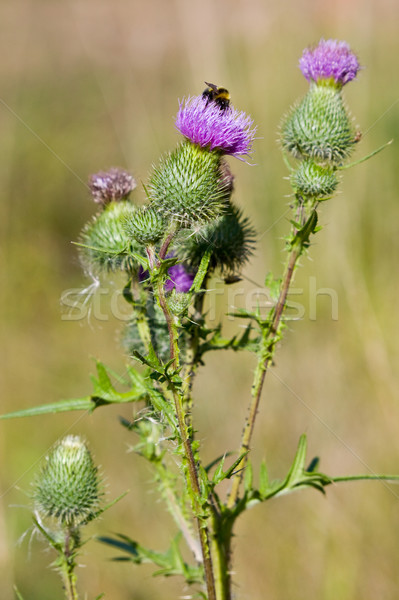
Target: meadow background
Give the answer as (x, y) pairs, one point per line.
(86, 85)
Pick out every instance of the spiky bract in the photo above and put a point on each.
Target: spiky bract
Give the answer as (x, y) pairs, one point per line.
(145, 225)
(319, 127)
(106, 245)
(187, 186)
(231, 238)
(67, 488)
(311, 180)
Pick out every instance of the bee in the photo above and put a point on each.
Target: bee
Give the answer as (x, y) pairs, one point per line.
(218, 95)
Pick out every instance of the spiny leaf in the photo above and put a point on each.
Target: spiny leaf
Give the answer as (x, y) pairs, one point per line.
(86, 403)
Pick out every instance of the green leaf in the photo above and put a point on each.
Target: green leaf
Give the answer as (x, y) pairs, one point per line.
(50, 537)
(104, 508)
(215, 462)
(302, 236)
(170, 562)
(54, 407)
(105, 393)
(201, 272)
(143, 261)
(314, 463)
(220, 475)
(298, 466)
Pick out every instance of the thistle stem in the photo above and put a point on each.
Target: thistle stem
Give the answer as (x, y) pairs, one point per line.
(68, 568)
(188, 451)
(265, 356)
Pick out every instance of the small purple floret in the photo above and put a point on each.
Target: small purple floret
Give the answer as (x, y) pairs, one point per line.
(107, 186)
(203, 123)
(330, 59)
(179, 278)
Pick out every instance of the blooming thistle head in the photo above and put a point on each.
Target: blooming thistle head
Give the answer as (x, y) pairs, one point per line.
(114, 184)
(330, 62)
(202, 122)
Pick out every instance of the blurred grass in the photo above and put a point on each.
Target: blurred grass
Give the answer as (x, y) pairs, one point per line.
(89, 85)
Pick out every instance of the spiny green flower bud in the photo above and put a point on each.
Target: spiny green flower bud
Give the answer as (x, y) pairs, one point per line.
(231, 239)
(311, 180)
(146, 226)
(67, 488)
(106, 245)
(319, 127)
(178, 302)
(187, 186)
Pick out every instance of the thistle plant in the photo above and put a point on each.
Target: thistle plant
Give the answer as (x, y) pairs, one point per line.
(67, 494)
(168, 250)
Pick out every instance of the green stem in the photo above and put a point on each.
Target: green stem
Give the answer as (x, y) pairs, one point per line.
(221, 559)
(270, 336)
(142, 321)
(188, 451)
(269, 340)
(177, 514)
(191, 365)
(68, 569)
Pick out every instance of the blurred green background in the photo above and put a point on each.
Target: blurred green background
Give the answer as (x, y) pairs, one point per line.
(86, 85)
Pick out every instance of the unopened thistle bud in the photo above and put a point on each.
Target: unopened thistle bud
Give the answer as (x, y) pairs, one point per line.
(231, 239)
(105, 243)
(319, 127)
(67, 488)
(112, 185)
(311, 180)
(146, 226)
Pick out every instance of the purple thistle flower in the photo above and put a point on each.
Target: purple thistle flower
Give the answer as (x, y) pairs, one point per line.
(330, 59)
(179, 278)
(203, 123)
(115, 184)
